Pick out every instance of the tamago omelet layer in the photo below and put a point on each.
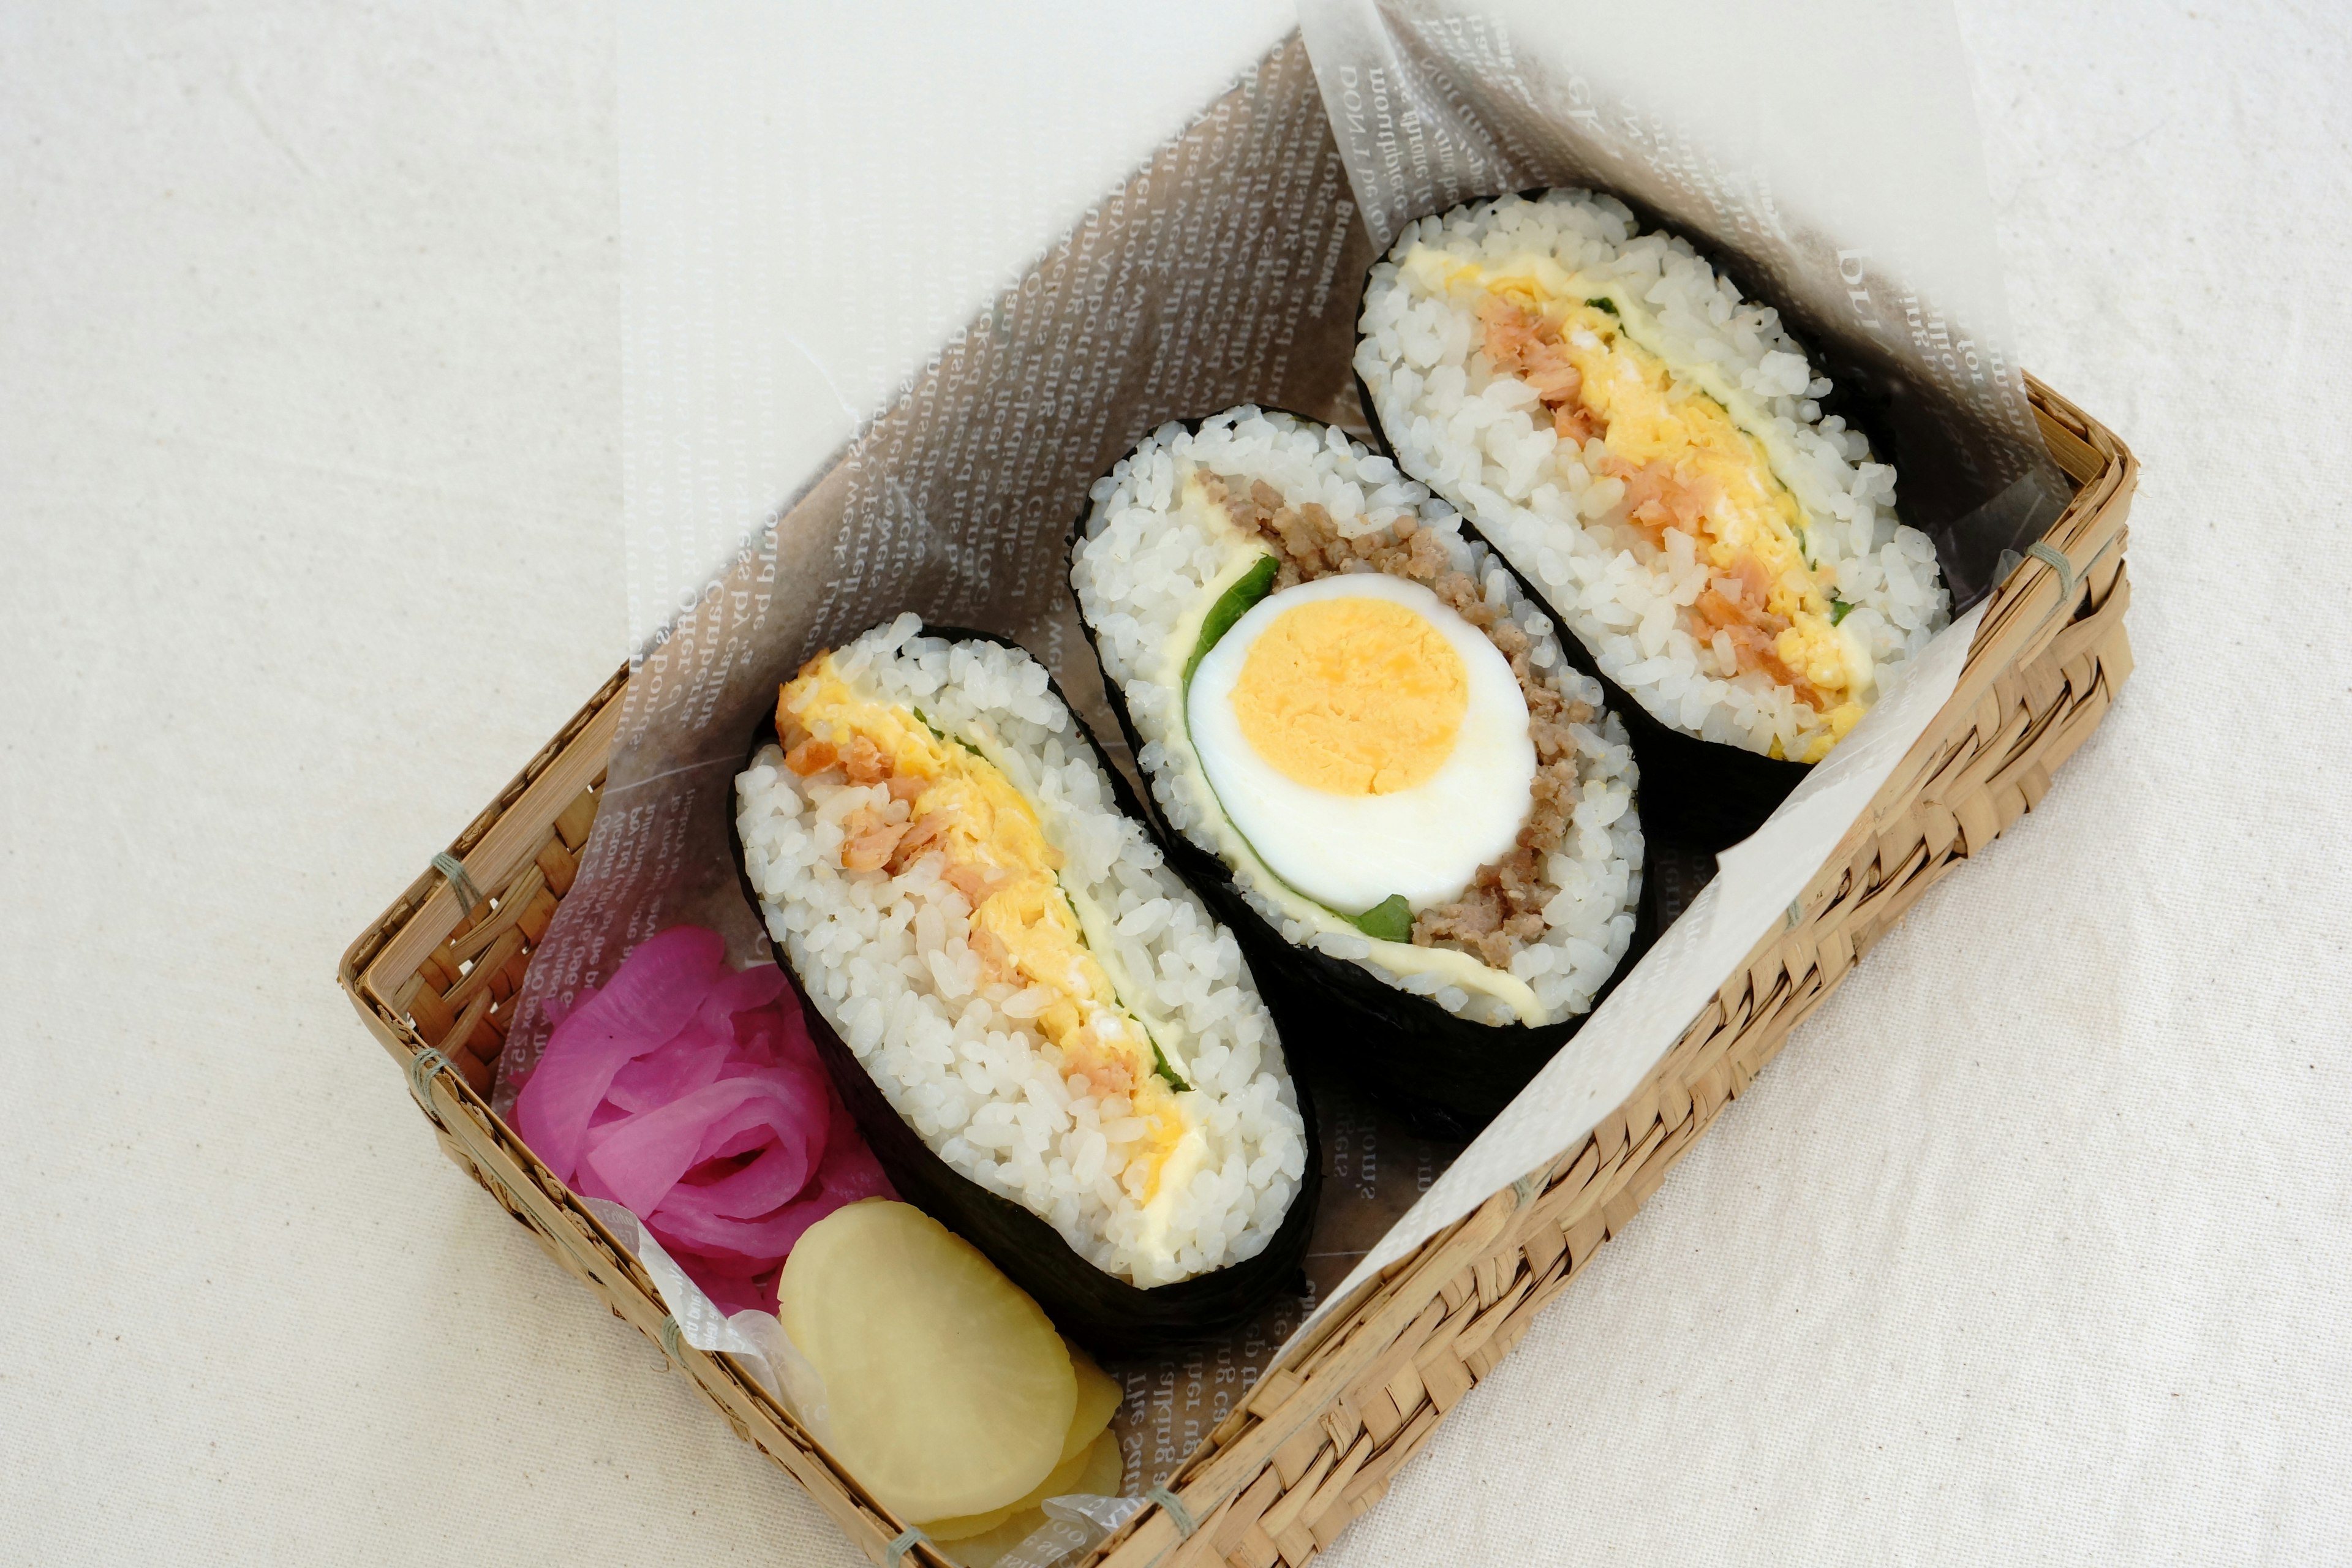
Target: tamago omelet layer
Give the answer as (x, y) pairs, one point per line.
(947, 799)
(1687, 461)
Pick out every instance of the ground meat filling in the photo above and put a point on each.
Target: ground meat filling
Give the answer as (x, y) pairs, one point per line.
(1502, 908)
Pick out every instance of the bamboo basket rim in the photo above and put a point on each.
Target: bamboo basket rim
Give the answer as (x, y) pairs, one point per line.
(495, 848)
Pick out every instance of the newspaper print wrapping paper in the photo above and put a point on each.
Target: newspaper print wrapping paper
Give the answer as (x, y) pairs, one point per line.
(1228, 270)
(1825, 156)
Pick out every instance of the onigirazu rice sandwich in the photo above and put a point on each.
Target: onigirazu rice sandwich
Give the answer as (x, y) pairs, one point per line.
(1366, 750)
(1649, 448)
(1049, 1043)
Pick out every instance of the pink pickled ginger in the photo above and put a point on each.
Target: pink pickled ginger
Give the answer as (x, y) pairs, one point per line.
(690, 1093)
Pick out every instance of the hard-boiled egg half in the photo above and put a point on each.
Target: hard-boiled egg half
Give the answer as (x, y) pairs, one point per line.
(1368, 741)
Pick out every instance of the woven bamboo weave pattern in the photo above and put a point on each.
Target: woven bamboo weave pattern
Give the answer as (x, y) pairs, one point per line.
(1317, 1441)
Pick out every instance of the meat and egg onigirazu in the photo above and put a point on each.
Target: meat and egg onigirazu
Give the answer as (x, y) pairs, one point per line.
(1649, 449)
(1367, 751)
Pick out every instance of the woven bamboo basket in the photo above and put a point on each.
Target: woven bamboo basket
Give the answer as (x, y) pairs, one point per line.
(1318, 1440)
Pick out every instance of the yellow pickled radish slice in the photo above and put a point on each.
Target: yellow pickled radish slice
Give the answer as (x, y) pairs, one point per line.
(1104, 1471)
(1106, 1467)
(1096, 1469)
(1056, 1483)
(948, 1391)
(1073, 1473)
(984, 1550)
(966, 1526)
(1099, 1401)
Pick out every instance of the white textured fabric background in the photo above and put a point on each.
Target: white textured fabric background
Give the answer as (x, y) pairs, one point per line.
(2036, 1243)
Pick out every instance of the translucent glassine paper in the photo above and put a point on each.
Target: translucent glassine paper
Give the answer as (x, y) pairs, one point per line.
(1826, 156)
(1228, 270)
(1225, 271)
(1760, 878)
(752, 1338)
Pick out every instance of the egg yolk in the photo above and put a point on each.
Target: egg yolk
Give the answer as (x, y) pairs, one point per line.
(1352, 697)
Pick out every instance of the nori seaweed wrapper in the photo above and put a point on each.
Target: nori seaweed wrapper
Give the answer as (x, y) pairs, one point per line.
(1108, 1315)
(1444, 1075)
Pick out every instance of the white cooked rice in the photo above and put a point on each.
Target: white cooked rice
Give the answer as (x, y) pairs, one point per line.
(1144, 564)
(1481, 439)
(886, 961)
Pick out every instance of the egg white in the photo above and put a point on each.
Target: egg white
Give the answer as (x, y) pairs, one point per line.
(1351, 852)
